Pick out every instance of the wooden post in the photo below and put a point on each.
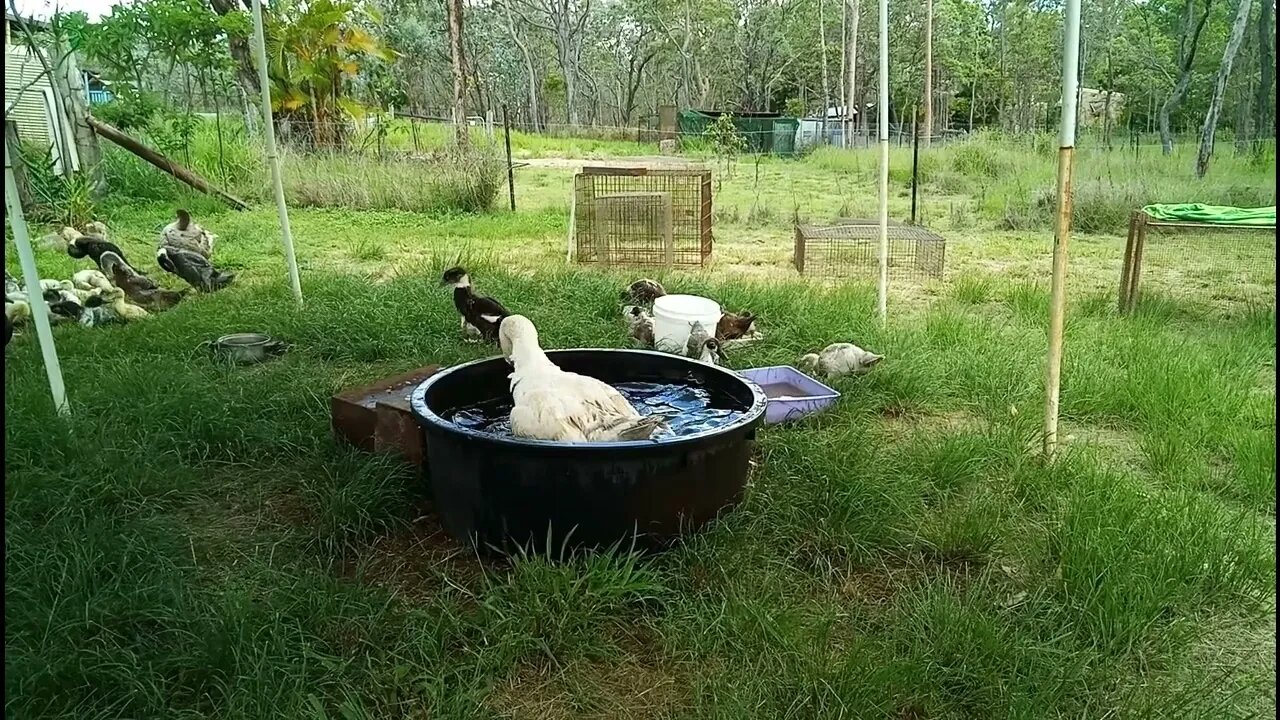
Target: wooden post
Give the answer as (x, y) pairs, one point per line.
(800, 250)
(915, 163)
(1062, 234)
(1126, 265)
(511, 171)
(184, 174)
(1135, 272)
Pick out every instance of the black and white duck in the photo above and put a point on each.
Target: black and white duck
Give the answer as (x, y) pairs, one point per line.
(479, 315)
(194, 268)
(184, 234)
(93, 248)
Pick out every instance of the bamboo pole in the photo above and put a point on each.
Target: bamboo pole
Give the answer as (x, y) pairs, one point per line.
(882, 121)
(35, 296)
(269, 132)
(1062, 234)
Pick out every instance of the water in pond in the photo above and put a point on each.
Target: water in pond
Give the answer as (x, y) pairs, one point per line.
(689, 410)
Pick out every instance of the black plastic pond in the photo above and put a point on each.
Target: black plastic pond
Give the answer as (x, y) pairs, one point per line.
(495, 490)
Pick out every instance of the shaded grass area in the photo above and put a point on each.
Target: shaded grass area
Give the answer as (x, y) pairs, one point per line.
(191, 542)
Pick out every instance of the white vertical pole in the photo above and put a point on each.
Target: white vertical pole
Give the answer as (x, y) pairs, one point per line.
(35, 296)
(269, 130)
(1062, 234)
(882, 120)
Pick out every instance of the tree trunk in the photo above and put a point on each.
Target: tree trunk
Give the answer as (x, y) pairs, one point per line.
(1187, 44)
(528, 67)
(1220, 87)
(826, 79)
(1263, 109)
(852, 92)
(238, 46)
(928, 73)
(454, 12)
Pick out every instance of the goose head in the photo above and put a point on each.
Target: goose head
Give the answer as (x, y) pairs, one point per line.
(455, 277)
(516, 331)
(184, 219)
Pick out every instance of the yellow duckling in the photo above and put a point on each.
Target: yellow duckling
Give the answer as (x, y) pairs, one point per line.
(125, 309)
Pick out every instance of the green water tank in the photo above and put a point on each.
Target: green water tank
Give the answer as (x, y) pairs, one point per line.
(784, 136)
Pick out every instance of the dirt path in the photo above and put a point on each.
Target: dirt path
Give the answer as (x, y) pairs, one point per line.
(628, 162)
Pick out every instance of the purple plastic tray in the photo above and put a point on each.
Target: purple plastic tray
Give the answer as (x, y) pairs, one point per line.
(791, 393)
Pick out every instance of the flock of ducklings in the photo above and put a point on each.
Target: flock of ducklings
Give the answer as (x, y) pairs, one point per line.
(116, 291)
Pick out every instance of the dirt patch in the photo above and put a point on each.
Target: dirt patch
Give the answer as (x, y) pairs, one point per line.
(413, 563)
(627, 688)
(629, 162)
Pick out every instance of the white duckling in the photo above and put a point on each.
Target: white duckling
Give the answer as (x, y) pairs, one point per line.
(551, 404)
(840, 359)
(91, 280)
(639, 324)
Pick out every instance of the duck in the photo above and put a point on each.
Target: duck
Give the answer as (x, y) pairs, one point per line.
(91, 280)
(840, 359)
(711, 353)
(193, 268)
(698, 337)
(13, 288)
(552, 404)
(642, 292)
(63, 307)
(481, 313)
(186, 235)
(735, 327)
(639, 324)
(137, 287)
(93, 248)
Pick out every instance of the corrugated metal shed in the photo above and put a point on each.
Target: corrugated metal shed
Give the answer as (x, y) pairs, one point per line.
(24, 91)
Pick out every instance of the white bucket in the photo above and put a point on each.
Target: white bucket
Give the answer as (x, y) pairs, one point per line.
(674, 315)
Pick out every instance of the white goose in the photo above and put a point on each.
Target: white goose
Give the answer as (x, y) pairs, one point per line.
(552, 404)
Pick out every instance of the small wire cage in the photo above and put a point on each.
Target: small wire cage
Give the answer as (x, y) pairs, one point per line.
(851, 248)
(642, 216)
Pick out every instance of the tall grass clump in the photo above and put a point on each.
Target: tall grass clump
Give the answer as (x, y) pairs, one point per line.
(449, 182)
(58, 200)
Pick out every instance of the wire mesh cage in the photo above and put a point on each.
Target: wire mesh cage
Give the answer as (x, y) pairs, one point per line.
(1205, 262)
(851, 247)
(642, 216)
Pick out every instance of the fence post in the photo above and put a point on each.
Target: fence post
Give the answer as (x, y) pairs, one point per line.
(511, 173)
(915, 162)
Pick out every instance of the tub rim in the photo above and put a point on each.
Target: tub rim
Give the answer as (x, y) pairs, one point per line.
(751, 417)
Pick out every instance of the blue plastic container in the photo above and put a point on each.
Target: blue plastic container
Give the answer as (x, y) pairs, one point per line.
(791, 394)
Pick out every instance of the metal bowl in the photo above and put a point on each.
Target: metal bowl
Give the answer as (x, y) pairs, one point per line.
(247, 348)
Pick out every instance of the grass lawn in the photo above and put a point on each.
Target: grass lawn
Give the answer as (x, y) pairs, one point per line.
(192, 543)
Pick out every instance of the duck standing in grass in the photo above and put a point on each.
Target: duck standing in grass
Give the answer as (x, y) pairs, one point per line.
(736, 327)
(840, 359)
(480, 315)
(194, 268)
(187, 235)
(551, 404)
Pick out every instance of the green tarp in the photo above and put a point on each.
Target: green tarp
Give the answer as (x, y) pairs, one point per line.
(756, 128)
(1216, 214)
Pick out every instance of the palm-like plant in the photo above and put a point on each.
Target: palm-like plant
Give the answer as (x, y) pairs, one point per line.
(314, 49)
